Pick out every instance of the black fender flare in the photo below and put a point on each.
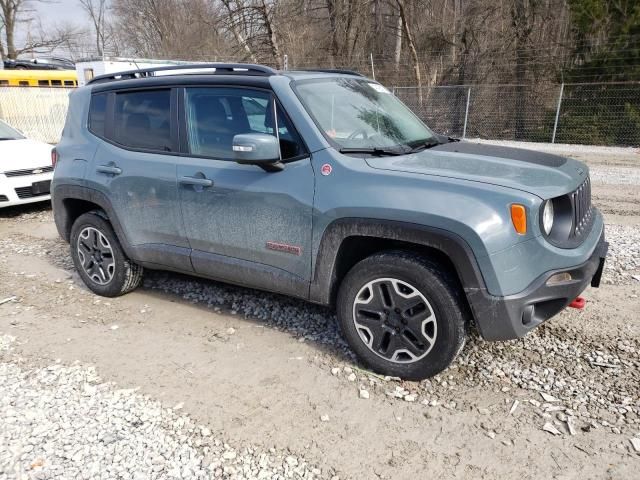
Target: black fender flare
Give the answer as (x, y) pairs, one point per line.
(76, 192)
(323, 284)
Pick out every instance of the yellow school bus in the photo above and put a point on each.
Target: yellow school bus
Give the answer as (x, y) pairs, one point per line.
(38, 78)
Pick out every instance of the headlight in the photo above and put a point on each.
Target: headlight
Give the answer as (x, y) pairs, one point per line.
(547, 216)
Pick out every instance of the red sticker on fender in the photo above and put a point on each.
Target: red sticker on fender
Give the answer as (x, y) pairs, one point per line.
(326, 169)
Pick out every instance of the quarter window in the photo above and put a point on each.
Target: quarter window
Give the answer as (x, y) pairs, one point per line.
(97, 114)
(143, 119)
(216, 115)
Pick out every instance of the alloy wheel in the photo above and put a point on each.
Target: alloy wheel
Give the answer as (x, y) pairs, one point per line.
(395, 320)
(96, 255)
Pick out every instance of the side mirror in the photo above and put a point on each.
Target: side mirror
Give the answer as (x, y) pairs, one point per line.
(258, 149)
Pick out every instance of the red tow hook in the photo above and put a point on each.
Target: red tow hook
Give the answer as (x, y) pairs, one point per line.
(578, 302)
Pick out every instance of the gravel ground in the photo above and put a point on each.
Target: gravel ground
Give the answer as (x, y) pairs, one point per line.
(623, 259)
(615, 175)
(577, 385)
(564, 148)
(63, 422)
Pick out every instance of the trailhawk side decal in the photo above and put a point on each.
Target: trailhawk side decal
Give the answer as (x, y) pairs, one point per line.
(283, 247)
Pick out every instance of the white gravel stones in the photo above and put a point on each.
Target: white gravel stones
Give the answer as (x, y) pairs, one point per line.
(623, 259)
(615, 175)
(549, 427)
(557, 368)
(548, 398)
(364, 394)
(302, 320)
(564, 148)
(62, 422)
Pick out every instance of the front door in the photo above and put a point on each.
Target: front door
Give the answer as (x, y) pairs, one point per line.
(244, 225)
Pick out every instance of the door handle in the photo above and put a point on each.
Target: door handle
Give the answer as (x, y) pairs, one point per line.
(200, 182)
(109, 169)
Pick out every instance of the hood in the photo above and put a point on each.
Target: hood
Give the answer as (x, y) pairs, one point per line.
(541, 174)
(23, 154)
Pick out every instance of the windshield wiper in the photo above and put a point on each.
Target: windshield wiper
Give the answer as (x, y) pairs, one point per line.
(423, 146)
(373, 151)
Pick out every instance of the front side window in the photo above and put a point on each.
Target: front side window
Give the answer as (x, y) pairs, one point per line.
(215, 115)
(361, 114)
(143, 119)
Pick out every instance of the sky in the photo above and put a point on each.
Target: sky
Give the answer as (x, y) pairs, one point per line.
(54, 12)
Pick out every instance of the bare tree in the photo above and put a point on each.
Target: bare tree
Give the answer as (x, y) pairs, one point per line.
(412, 47)
(40, 41)
(96, 10)
(9, 11)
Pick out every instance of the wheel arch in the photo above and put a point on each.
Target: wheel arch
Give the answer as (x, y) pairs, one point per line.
(348, 240)
(69, 202)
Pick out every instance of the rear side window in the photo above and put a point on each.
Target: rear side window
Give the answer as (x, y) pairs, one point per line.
(97, 114)
(143, 119)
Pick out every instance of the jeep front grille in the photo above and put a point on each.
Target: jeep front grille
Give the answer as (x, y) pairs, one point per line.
(29, 171)
(582, 211)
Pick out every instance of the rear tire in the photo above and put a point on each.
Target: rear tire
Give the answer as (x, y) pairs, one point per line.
(99, 258)
(402, 314)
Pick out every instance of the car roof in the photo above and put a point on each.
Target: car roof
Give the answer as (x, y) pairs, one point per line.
(220, 74)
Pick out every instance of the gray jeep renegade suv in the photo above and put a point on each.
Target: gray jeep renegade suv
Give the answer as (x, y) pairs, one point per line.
(323, 186)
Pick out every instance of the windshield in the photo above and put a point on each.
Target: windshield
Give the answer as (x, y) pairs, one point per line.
(361, 114)
(8, 133)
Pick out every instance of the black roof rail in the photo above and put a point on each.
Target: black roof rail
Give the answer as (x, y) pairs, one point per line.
(219, 68)
(331, 70)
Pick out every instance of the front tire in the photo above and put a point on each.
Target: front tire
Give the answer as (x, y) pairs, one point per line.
(402, 315)
(99, 258)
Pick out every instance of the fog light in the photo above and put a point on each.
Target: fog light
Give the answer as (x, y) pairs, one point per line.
(559, 278)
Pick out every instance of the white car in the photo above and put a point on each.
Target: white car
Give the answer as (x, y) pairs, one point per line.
(25, 168)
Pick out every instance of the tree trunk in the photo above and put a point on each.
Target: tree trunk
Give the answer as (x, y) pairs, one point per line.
(398, 47)
(9, 16)
(333, 25)
(271, 35)
(522, 31)
(237, 33)
(412, 48)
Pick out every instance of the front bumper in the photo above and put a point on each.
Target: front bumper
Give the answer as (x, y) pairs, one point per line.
(18, 190)
(513, 316)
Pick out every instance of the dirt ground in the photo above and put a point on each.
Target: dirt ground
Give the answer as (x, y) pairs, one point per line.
(255, 381)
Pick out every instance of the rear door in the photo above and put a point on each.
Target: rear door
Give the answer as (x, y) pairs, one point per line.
(245, 225)
(135, 167)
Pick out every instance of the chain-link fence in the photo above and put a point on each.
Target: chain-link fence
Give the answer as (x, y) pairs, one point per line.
(592, 114)
(38, 112)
